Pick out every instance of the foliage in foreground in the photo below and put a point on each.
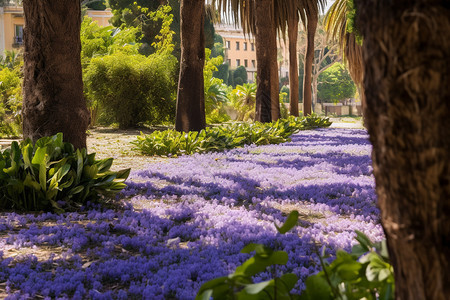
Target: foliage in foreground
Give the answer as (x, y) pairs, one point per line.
(171, 142)
(10, 94)
(40, 176)
(240, 285)
(365, 273)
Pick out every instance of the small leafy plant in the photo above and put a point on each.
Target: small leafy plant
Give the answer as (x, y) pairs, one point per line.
(37, 176)
(365, 273)
(240, 285)
(170, 142)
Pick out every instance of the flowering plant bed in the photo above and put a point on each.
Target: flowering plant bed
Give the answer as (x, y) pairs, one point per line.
(184, 220)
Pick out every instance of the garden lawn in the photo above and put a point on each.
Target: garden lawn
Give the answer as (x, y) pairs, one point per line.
(185, 220)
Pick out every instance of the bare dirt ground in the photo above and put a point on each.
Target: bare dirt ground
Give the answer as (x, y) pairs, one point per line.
(115, 143)
(108, 142)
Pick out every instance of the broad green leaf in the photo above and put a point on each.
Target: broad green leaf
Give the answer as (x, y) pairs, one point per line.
(40, 156)
(289, 280)
(363, 240)
(317, 288)
(104, 165)
(123, 174)
(30, 182)
(255, 288)
(249, 248)
(290, 222)
(43, 176)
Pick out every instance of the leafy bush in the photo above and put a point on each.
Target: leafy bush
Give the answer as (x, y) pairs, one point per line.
(240, 285)
(131, 89)
(215, 91)
(171, 142)
(335, 84)
(37, 176)
(11, 99)
(240, 75)
(243, 100)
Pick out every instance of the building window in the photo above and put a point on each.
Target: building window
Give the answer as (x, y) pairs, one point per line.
(229, 62)
(245, 46)
(246, 63)
(18, 35)
(238, 62)
(253, 46)
(253, 63)
(237, 45)
(228, 45)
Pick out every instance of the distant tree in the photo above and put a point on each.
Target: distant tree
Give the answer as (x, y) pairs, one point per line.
(222, 72)
(218, 48)
(335, 84)
(240, 73)
(126, 12)
(94, 4)
(325, 55)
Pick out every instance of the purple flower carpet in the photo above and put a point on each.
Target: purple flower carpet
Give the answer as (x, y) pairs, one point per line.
(184, 221)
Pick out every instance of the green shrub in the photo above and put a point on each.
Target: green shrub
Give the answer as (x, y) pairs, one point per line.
(10, 102)
(171, 142)
(36, 176)
(131, 89)
(243, 100)
(240, 72)
(365, 273)
(335, 84)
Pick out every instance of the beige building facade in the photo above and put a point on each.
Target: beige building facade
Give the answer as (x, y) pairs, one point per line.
(240, 50)
(12, 23)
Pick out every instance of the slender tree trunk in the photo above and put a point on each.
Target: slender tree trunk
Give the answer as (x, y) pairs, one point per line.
(293, 65)
(263, 37)
(274, 80)
(406, 54)
(53, 88)
(312, 19)
(190, 114)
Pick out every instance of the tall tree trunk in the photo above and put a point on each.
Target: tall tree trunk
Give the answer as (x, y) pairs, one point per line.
(263, 37)
(312, 19)
(190, 114)
(274, 81)
(293, 65)
(53, 88)
(406, 54)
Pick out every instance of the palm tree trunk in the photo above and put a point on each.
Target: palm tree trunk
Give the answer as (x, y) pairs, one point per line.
(406, 54)
(312, 19)
(263, 36)
(293, 65)
(274, 81)
(53, 88)
(190, 115)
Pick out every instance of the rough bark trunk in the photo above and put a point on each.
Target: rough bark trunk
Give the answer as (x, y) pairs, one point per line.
(406, 54)
(293, 65)
(274, 81)
(264, 24)
(312, 19)
(190, 115)
(53, 88)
